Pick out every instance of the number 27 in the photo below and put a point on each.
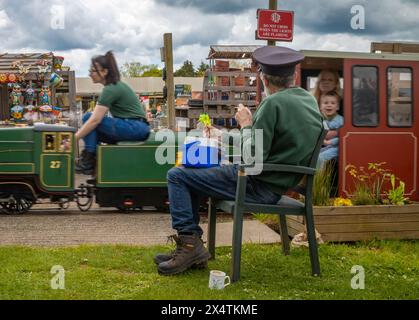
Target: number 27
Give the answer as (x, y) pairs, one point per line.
(55, 165)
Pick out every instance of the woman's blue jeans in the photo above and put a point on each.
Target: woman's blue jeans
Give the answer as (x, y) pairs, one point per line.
(187, 186)
(114, 130)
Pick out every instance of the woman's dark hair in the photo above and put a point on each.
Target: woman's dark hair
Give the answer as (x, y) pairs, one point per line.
(108, 62)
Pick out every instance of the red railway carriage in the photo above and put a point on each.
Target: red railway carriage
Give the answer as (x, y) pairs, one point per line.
(380, 108)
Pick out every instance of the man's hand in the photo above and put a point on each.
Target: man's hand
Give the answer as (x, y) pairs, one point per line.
(244, 116)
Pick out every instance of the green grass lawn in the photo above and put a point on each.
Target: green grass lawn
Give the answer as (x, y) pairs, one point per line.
(124, 272)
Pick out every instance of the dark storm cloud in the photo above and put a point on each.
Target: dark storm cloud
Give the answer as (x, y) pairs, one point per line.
(382, 17)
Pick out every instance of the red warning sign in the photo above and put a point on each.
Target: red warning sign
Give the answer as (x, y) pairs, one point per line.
(275, 25)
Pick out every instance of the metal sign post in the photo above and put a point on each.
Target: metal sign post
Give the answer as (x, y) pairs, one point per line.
(273, 5)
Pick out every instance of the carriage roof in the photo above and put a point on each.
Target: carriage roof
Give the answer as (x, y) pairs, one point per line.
(360, 55)
(315, 60)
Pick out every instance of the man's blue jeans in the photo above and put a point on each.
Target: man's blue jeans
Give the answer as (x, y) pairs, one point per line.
(187, 186)
(113, 130)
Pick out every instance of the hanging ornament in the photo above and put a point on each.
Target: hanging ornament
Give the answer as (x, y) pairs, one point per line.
(56, 81)
(31, 113)
(16, 64)
(42, 62)
(57, 112)
(58, 62)
(24, 70)
(30, 95)
(45, 96)
(16, 97)
(45, 109)
(12, 78)
(17, 113)
(4, 78)
(43, 67)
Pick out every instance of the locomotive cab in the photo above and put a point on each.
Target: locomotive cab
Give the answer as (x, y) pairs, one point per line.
(54, 156)
(35, 162)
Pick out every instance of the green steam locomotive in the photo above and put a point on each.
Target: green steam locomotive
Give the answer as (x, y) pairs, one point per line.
(38, 163)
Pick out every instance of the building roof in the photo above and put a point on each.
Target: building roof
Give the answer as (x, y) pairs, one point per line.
(141, 86)
(395, 47)
(232, 52)
(28, 60)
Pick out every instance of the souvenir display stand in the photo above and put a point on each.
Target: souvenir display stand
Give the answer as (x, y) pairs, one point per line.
(36, 88)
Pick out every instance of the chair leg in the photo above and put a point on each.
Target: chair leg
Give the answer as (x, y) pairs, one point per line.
(284, 234)
(311, 235)
(212, 224)
(237, 244)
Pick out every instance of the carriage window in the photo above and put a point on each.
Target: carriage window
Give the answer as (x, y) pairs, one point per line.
(365, 96)
(49, 142)
(399, 101)
(65, 142)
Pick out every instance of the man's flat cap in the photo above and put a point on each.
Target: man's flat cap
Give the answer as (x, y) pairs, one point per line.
(277, 61)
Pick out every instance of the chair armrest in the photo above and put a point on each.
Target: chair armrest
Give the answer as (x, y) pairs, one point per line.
(288, 168)
(269, 167)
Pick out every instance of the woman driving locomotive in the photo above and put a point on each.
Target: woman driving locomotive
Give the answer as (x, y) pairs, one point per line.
(128, 118)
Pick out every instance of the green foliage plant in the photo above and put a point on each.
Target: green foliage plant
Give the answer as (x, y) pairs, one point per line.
(323, 185)
(368, 183)
(396, 195)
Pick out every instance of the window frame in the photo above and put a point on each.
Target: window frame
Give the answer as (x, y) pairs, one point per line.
(388, 96)
(378, 96)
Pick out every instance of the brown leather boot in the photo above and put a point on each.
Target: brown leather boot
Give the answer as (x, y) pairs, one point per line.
(189, 251)
(163, 257)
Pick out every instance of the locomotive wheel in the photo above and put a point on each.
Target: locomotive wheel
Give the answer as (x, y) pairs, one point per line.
(16, 206)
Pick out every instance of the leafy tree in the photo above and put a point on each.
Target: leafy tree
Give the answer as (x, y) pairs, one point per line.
(187, 70)
(137, 70)
(152, 71)
(202, 68)
(132, 69)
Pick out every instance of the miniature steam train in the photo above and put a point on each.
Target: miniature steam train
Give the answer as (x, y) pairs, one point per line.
(38, 163)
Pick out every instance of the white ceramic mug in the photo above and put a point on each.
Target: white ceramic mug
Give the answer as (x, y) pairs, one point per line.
(218, 279)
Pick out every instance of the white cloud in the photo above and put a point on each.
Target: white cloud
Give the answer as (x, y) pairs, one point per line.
(4, 19)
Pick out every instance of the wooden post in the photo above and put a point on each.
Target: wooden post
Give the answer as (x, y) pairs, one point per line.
(273, 5)
(170, 81)
(4, 102)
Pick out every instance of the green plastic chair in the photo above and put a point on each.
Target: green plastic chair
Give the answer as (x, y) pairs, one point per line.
(286, 206)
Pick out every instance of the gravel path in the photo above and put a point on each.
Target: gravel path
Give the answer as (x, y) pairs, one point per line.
(51, 227)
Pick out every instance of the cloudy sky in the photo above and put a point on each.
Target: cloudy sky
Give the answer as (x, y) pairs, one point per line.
(134, 29)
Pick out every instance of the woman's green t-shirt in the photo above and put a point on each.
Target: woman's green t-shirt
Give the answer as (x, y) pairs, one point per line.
(121, 101)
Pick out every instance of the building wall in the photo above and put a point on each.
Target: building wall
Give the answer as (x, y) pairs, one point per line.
(85, 86)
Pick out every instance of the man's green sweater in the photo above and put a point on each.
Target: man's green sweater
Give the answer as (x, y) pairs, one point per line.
(291, 124)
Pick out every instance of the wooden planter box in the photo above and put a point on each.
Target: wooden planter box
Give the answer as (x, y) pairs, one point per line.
(357, 223)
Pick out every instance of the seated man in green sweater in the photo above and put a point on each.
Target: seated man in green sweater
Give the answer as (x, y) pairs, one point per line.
(290, 123)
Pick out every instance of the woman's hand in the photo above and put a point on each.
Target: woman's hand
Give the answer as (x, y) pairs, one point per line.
(244, 116)
(91, 124)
